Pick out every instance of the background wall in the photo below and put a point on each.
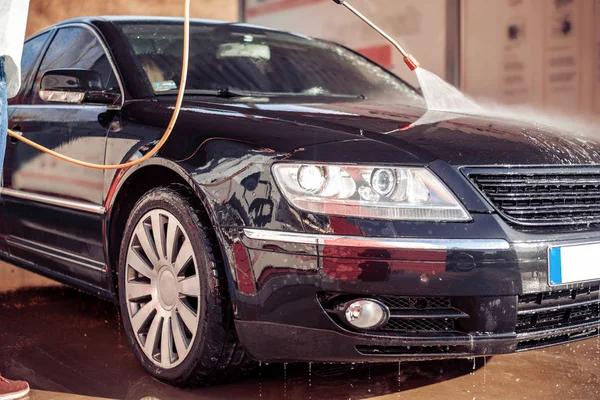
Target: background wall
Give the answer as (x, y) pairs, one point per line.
(43, 13)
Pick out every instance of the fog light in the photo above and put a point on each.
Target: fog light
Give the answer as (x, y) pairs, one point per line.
(367, 314)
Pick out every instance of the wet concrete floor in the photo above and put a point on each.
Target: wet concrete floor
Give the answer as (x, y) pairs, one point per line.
(66, 342)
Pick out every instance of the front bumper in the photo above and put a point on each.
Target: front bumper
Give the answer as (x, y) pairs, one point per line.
(271, 342)
(285, 282)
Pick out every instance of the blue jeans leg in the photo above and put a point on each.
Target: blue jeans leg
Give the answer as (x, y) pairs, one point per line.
(3, 115)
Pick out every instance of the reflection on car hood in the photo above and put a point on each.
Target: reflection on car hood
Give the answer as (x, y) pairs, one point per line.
(458, 139)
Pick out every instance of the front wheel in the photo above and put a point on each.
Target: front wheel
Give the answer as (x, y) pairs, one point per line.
(173, 292)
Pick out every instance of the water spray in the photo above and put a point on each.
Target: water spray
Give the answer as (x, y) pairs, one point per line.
(410, 61)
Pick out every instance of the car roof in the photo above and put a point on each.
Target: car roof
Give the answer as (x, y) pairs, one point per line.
(135, 18)
(154, 19)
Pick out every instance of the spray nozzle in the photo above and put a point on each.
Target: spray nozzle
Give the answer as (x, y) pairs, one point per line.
(410, 61)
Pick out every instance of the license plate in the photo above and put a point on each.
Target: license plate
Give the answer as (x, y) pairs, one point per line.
(571, 264)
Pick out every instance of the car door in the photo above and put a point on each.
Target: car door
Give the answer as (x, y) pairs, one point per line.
(54, 209)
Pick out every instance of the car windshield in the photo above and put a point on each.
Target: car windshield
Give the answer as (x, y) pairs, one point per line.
(231, 59)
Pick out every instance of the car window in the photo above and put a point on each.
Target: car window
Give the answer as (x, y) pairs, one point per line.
(31, 52)
(89, 55)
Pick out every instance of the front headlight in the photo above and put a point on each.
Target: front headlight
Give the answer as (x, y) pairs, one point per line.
(393, 193)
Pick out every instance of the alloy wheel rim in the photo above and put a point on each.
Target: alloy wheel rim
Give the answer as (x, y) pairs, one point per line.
(162, 288)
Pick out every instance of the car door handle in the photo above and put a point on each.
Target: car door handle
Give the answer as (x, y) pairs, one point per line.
(18, 132)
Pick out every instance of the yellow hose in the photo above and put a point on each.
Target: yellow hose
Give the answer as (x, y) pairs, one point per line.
(165, 137)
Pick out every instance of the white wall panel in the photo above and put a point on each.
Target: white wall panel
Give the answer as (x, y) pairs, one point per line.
(563, 50)
(501, 50)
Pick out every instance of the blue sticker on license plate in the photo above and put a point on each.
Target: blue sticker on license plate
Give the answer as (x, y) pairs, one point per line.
(571, 264)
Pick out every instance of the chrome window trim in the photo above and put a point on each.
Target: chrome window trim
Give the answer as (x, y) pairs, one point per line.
(54, 201)
(377, 242)
(106, 51)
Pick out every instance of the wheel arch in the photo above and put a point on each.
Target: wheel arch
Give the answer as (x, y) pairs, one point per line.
(128, 187)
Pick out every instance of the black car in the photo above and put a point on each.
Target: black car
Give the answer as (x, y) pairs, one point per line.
(306, 207)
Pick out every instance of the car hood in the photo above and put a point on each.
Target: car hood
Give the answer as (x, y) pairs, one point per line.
(458, 139)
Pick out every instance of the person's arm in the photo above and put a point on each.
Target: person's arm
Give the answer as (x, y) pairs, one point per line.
(13, 24)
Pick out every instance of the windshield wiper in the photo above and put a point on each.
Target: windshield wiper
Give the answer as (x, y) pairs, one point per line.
(232, 92)
(228, 92)
(225, 92)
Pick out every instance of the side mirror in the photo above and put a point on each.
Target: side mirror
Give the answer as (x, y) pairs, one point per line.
(75, 86)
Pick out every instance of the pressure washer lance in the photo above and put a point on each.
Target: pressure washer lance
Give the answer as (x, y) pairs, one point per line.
(410, 61)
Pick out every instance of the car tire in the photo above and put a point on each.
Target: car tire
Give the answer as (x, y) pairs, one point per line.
(176, 312)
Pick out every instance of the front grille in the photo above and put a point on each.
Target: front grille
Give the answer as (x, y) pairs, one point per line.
(540, 198)
(415, 303)
(400, 304)
(553, 340)
(409, 314)
(558, 309)
(419, 325)
(456, 351)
